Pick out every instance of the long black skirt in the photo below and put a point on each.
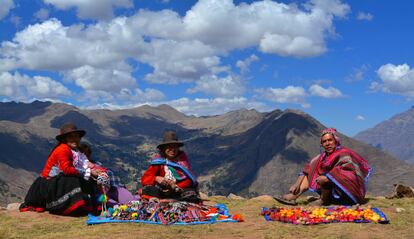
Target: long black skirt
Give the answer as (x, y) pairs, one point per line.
(63, 195)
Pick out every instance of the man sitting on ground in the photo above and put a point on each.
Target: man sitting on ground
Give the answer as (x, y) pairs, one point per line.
(338, 175)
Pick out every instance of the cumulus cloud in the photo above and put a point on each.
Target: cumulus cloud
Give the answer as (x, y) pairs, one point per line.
(244, 65)
(91, 9)
(109, 79)
(178, 48)
(214, 85)
(206, 106)
(365, 16)
(6, 6)
(42, 14)
(360, 118)
(22, 87)
(124, 97)
(138, 95)
(330, 92)
(290, 94)
(52, 46)
(274, 27)
(176, 62)
(396, 79)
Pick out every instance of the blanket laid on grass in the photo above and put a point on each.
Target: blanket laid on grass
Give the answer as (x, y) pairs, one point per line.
(165, 213)
(317, 215)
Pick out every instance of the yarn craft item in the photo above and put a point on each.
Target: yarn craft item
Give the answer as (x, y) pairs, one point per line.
(166, 213)
(317, 215)
(103, 181)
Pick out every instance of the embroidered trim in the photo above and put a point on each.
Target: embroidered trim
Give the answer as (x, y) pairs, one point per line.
(64, 198)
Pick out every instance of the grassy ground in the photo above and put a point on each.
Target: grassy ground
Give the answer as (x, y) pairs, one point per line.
(43, 225)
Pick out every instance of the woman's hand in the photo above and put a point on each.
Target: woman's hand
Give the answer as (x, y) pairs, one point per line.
(159, 179)
(165, 182)
(95, 172)
(91, 165)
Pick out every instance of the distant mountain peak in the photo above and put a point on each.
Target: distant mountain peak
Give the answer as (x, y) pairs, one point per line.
(169, 108)
(387, 135)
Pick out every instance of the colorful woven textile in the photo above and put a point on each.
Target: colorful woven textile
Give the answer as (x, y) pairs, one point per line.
(165, 213)
(318, 215)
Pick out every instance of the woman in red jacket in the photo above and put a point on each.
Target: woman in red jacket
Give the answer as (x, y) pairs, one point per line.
(169, 174)
(65, 185)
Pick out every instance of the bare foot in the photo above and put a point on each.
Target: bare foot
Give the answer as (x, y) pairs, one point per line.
(294, 189)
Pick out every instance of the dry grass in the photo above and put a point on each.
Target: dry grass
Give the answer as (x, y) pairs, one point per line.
(33, 225)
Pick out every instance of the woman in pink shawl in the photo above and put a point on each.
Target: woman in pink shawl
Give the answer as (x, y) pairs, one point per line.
(338, 175)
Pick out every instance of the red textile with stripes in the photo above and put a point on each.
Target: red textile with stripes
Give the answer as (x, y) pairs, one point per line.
(345, 168)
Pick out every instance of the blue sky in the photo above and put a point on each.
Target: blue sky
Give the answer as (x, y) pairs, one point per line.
(346, 63)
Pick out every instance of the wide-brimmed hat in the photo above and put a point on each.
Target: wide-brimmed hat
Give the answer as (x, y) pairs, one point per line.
(68, 128)
(170, 137)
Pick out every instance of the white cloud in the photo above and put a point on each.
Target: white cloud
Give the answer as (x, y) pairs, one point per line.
(287, 45)
(176, 62)
(93, 9)
(138, 95)
(228, 86)
(206, 106)
(178, 48)
(289, 94)
(124, 97)
(365, 16)
(57, 47)
(360, 118)
(109, 79)
(396, 79)
(42, 14)
(22, 87)
(6, 6)
(244, 65)
(334, 7)
(274, 27)
(330, 92)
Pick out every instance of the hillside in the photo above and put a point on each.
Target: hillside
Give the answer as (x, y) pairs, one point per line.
(395, 136)
(244, 152)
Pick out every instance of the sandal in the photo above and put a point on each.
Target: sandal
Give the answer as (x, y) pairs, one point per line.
(286, 201)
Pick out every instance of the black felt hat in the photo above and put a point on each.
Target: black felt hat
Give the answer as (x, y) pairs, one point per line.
(170, 137)
(68, 128)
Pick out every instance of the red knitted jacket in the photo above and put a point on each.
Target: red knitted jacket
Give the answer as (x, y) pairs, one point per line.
(148, 178)
(60, 157)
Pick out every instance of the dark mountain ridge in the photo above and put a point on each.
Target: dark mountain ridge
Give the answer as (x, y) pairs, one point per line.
(244, 151)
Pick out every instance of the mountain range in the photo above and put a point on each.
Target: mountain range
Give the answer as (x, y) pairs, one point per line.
(395, 136)
(244, 152)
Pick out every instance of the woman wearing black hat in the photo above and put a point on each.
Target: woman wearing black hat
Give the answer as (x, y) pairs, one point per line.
(64, 186)
(169, 174)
